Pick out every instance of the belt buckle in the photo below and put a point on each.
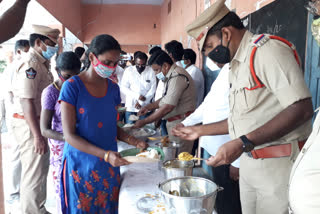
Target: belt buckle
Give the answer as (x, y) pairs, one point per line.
(249, 154)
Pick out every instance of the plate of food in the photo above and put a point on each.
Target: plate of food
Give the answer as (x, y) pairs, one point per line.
(141, 133)
(149, 155)
(133, 117)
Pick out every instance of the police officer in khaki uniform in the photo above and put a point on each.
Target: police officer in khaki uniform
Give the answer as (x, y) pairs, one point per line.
(178, 101)
(32, 76)
(304, 183)
(270, 107)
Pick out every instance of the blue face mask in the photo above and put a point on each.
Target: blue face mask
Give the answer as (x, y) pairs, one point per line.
(50, 52)
(161, 76)
(183, 64)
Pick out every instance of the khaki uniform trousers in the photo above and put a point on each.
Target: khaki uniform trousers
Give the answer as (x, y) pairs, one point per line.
(185, 146)
(264, 183)
(33, 186)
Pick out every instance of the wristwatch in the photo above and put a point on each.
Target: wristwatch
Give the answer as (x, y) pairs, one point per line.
(247, 144)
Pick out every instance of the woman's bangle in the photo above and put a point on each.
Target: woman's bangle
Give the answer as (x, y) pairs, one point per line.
(106, 156)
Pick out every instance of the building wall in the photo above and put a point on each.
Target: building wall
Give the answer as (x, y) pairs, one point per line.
(68, 12)
(243, 8)
(134, 48)
(183, 12)
(129, 24)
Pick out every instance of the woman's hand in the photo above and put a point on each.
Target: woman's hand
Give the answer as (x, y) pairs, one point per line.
(116, 160)
(141, 144)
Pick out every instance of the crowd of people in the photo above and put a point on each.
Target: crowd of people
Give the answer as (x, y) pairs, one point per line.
(255, 122)
(73, 119)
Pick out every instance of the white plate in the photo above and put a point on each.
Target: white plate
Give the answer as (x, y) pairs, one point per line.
(135, 159)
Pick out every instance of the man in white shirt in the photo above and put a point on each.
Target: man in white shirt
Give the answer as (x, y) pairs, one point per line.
(119, 74)
(117, 78)
(304, 182)
(188, 62)
(139, 86)
(214, 108)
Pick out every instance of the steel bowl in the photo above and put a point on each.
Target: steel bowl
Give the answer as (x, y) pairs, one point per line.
(170, 151)
(177, 168)
(133, 132)
(189, 195)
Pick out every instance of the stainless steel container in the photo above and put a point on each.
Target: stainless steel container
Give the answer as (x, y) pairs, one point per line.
(189, 195)
(170, 151)
(177, 168)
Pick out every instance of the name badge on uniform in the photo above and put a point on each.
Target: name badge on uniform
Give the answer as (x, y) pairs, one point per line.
(148, 81)
(31, 73)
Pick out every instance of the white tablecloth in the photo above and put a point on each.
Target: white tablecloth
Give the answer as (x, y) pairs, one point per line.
(137, 181)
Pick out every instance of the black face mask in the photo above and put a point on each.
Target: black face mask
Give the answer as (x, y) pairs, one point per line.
(140, 68)
(220, 54)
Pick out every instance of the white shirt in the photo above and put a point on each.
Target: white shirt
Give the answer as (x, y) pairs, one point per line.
(198, 79)
(160, 87)
(304, 191)
(214, 108)
(119, 72)
(134, 84)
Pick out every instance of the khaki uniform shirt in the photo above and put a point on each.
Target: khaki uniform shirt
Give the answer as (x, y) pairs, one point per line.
(304, 191)
(278, 70)
(179, 93)
(30, 79)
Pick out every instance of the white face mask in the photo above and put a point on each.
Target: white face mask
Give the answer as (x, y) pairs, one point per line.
(211, 65)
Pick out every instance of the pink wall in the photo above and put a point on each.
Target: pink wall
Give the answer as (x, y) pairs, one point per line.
(133, 25)
(183, 12)
(134, 48)
(68, 12)
(129, 24)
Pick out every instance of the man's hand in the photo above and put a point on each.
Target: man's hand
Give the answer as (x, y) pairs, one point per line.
(234, 173)
(157, 123)
(138, 106)
(40, 145)
(23, 2)
(227, 153)
(175, 131)
(187, 133)
(142, 98)
(139, 124)
(143, 111)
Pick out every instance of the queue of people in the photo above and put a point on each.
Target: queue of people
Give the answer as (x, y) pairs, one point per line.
(255, 122)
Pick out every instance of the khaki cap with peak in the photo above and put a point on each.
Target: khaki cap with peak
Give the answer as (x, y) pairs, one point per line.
(52, 34)
(199, 28)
